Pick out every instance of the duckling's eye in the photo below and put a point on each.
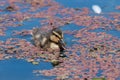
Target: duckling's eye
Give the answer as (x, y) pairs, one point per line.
(57, 35)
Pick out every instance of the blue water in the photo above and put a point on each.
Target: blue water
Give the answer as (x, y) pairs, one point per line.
(15, 69)
(107, 6)
(99, 73)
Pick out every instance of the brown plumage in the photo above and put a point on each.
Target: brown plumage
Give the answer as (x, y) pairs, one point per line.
(52, 40)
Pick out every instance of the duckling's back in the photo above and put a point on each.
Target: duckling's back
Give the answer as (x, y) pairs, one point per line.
(40, 37)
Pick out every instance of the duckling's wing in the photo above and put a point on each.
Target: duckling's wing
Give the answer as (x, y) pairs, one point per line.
(44, 38)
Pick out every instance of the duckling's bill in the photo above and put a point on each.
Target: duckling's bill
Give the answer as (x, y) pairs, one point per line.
(62, 43)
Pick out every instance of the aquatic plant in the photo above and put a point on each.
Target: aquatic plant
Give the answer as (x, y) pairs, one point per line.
(92, 54)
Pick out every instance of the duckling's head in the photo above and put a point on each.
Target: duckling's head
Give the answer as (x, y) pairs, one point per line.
(57, 37)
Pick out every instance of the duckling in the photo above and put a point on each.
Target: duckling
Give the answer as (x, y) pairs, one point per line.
(52, 39)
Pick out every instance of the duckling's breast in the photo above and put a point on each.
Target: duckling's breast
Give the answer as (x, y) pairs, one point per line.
(54, 46)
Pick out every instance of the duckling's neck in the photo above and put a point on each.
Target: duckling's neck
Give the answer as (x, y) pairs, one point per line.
(54, 42)
(57, 45)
